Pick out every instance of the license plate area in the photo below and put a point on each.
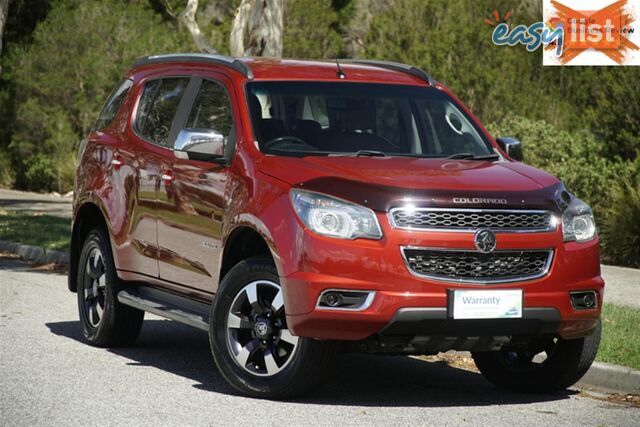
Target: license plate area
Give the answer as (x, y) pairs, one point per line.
(486, 304)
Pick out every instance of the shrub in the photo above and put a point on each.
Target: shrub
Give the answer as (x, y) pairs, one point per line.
(310, 30)
(621, 225)
(61, 79)
(610, 186)
(40, 172)
(7, 177)
(576, 158)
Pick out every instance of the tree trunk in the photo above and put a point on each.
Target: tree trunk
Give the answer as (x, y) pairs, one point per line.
(4, 13)
(257, 29)
(238, 28)
(365, 11)
(188, 18)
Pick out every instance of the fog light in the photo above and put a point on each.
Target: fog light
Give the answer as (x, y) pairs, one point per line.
(586, 300)
(589, 300)
(339, 299)
(333, 299)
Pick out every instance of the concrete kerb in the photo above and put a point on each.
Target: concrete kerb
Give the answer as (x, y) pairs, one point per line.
(35, 254)
(619, 379)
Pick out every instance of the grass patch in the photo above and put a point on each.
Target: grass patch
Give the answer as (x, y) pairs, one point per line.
(46, 231)
(620, 343)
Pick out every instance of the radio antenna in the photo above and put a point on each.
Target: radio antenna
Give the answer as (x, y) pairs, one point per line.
(340, 73)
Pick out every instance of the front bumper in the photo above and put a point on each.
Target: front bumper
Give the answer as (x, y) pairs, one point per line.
(401, 314)
(408, 305)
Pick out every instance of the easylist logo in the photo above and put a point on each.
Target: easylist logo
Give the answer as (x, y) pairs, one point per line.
(478, 201)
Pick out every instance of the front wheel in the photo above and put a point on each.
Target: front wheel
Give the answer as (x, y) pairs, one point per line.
(251, 343)
(554, 366)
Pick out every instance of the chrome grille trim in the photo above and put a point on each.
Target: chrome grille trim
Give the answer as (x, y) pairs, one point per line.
(470, 220)
(480, 280)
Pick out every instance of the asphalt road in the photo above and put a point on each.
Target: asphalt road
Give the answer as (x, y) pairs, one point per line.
(22, 201)
(48, 376)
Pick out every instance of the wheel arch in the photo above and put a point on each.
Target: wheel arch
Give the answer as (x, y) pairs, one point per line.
(87, 217)
(242, 243)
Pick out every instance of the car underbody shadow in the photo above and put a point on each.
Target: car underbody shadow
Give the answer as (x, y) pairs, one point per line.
(357, 379)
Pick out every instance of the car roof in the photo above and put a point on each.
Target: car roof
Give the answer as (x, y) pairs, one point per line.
(264, 69)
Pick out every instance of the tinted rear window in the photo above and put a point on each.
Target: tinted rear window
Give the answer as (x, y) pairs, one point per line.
(113, 104)
(158, 105)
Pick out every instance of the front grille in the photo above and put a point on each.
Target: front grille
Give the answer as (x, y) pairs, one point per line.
(471, 219)
(476, 267)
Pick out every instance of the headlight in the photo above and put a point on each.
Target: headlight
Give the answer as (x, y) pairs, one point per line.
(333, 217)
(577, 222)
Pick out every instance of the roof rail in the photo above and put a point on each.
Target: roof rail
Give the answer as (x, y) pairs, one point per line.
(206, 58)
(395, 66)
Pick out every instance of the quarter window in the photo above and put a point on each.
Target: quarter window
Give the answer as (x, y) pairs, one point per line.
(158, 105)
(111, 107)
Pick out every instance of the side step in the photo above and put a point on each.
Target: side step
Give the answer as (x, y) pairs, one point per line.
(165, 304)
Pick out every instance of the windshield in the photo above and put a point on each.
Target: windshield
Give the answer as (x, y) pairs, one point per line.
(315, 118)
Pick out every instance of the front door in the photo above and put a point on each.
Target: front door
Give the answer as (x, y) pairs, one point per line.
(191, 196)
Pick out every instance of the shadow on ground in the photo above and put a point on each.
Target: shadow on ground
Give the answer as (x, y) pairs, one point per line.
(358, 380)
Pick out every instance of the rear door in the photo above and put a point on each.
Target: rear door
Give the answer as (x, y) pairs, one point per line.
(192, 197)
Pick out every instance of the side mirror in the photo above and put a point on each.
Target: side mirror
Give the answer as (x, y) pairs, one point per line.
(512, 147)
(199, 144)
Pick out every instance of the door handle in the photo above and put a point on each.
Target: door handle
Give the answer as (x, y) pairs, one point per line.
(167, 178)
(116, 161)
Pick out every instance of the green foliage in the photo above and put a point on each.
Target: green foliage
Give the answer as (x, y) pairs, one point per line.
(607, 102)
(61, 79)
(311, 29)
(7, 176)
(621, 226)
(610, 185)
(23, 17)
(61, 59)
(452, 42)
(577, 158)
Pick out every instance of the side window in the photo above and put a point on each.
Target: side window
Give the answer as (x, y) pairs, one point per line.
(211, 109)
(158, 105)
(113, 104)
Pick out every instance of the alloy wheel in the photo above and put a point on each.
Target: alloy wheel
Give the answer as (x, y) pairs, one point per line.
(257, 334)
(95, 287)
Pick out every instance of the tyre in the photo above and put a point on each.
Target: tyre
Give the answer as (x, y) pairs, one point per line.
(559, 365)
(250, 341)
(105, 321)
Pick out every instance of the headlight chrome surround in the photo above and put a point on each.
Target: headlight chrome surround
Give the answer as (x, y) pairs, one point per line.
(333, 217)
(578, 224)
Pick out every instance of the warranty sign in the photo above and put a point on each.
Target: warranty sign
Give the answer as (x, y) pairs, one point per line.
(487, 304)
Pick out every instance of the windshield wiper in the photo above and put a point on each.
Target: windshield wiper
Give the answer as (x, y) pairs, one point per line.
(360, 153)
(469, 156)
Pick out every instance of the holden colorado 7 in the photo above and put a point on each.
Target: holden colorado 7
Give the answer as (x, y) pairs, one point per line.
(298, 209)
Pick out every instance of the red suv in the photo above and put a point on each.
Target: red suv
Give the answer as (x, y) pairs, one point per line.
(296, 209)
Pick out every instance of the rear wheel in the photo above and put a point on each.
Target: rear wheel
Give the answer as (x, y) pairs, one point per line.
(251, 342)
(104, 320)
(554, 366)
